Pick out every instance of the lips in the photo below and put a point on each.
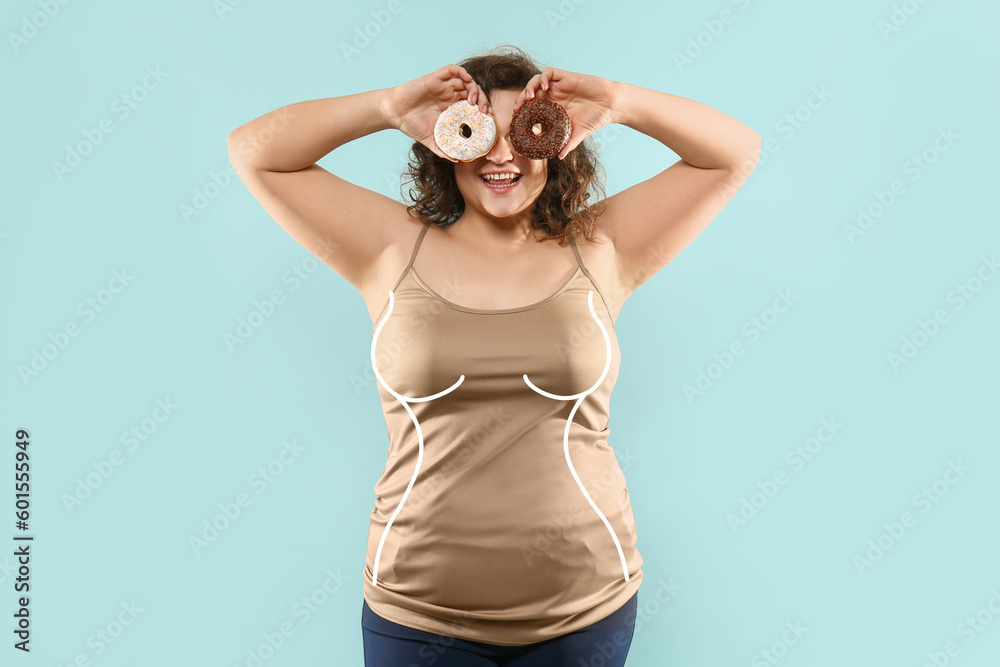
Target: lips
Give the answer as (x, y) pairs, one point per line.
(500, 181)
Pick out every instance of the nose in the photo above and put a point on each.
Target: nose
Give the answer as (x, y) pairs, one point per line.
(501, 151)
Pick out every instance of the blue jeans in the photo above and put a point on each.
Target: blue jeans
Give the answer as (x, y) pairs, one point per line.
(601, 644)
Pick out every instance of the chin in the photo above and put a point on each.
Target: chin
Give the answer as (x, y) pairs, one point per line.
(505, 212)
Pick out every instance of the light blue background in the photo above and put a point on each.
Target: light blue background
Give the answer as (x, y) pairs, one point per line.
(296, 378)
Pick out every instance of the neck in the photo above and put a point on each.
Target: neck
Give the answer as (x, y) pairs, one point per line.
(489, 233)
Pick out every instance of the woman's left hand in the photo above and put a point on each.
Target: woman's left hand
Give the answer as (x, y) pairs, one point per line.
(590, 101)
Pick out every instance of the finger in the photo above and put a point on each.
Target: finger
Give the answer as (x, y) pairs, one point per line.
(457, 82)
(445, 157)
(448, 74)
(468, 83)
(570, 145)
(550, 75)
(437, 151)
(574, 140)
(471, 90)
(527, 93)
(531, 89)
(460, 91)
(477, 97)
(456, 70)
(441, 154)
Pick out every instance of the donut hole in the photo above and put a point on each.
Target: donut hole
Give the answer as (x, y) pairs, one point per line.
(536, 129)
(465, 131)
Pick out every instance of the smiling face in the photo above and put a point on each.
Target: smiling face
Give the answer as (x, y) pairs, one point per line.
(512, 198)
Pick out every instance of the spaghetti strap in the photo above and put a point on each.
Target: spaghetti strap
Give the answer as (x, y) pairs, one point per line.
(576, 251)
(583, 267)
(416, 246)
(413, 256)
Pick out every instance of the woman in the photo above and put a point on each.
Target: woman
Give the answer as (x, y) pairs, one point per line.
(502, 532)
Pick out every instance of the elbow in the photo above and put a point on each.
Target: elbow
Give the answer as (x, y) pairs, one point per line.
(753, 151)
(749, 155)
(238, 157)
(232, 142)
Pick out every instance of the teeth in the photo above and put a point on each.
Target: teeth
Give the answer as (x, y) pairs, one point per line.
(499, 177)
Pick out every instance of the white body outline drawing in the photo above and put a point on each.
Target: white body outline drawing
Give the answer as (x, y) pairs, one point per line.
(569, 420)
(404, 400)
(420, 435)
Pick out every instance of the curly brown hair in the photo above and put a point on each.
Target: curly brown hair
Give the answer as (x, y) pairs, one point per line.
(561, 208)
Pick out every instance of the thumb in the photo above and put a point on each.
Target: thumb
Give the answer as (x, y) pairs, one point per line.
(437, 151)
(576, 136)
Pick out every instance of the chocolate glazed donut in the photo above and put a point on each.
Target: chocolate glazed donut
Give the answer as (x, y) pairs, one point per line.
(555, 124)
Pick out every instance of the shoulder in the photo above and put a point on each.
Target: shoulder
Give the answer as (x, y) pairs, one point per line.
(400, 246)
(599, 258)
(400, 242)
(598, 248)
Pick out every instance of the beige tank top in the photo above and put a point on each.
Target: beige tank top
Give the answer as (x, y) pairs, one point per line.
(502, 515)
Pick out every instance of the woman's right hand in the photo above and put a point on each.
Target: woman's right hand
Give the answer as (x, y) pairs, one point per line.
(413, 107)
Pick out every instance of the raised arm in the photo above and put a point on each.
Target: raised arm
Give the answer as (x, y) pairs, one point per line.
(342, 224)
(651, 222)
(346, 226)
